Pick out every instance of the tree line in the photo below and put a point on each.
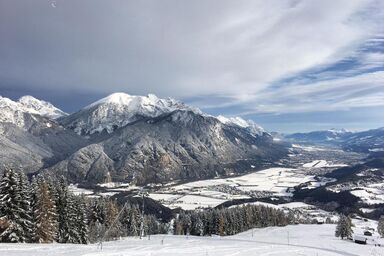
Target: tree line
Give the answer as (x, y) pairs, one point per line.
(228, 221)
(44, 211)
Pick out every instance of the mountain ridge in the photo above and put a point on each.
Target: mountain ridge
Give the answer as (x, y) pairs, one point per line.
(135, 138)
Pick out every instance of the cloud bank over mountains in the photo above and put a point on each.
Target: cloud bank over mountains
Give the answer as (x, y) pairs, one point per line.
(254, 57)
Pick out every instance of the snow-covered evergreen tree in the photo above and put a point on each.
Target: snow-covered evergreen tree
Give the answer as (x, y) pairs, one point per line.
(96, 219)
(63, 212)
(344, 227)
(134, 228)
(199, 226)
(81, 220)
(26, 213)
(380, 226)
(15, 218)
(69, 215)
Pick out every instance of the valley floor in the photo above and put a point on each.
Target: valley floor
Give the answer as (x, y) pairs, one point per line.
(291, 240)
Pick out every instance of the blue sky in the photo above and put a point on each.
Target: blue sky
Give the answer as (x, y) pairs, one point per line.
(288, 65)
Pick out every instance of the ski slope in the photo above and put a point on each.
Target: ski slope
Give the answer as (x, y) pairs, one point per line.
(291, 240)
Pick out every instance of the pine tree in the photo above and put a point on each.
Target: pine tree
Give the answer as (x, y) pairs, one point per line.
(15, 215)
(113, 224)
(68, 215)
(96, 219)
(125, 219)
(63, 212)
(45, 215)
(81, 220)
(134, 222)
(198, 226)
(25, 206)
(221, 225)
(380, 226)
(344, 227)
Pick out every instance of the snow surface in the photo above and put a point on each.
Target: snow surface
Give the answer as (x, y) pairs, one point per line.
(212, 192)
(321, 164)
(254, 128)
(295, 240)
(13, 111)
(79, 191)
(371, 194)
(120, 109)
(42, 107)
(309, 148)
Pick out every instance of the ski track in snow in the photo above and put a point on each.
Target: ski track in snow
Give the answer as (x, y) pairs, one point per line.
(272, 241)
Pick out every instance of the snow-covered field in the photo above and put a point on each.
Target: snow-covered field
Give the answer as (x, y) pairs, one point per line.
(322, 164)
(212, 192)
(371, 194)
(291, 240)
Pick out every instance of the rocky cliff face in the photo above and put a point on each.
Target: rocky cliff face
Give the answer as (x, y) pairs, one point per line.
(134, 138)
(177, 145)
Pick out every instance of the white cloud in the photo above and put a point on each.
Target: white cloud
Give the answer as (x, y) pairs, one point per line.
(364, 90)
(231, 49)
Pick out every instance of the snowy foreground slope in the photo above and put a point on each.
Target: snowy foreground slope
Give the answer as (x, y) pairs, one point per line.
(303, 240)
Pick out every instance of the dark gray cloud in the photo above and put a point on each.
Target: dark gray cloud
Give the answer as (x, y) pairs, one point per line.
(213, 53)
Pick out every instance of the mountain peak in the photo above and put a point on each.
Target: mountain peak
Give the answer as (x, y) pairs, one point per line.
(14, 111)
(41, 107)
(339, 131)
(118, 98)
(254, 128)
(119, 109)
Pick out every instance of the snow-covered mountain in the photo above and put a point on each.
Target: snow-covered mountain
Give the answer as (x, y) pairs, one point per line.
(326, 136)
(131, 138)
(18, 112)
(251, 126)
(40, 107)
(30, 137)
(118, 110)
(365, 141)
(177, 141)
(181, 144)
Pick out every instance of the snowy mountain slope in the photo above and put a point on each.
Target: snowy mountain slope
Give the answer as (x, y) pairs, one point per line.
(365, 141)
(182, 144)
(29, 138)
(39, 143)
(118, 110)
(327, 136)
(41, 107)
(303, 240)
(251, 126)
(22, 111)
(14, 155)
(131, 138)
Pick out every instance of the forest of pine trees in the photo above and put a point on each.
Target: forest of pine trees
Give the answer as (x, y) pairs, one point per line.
(44, 211)
(228, 221)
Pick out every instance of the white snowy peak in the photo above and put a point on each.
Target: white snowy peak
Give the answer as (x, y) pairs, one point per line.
(120, 109)
(339, 131)
(148, 105)
(251, 126)
(13, 111)
(40, 107)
